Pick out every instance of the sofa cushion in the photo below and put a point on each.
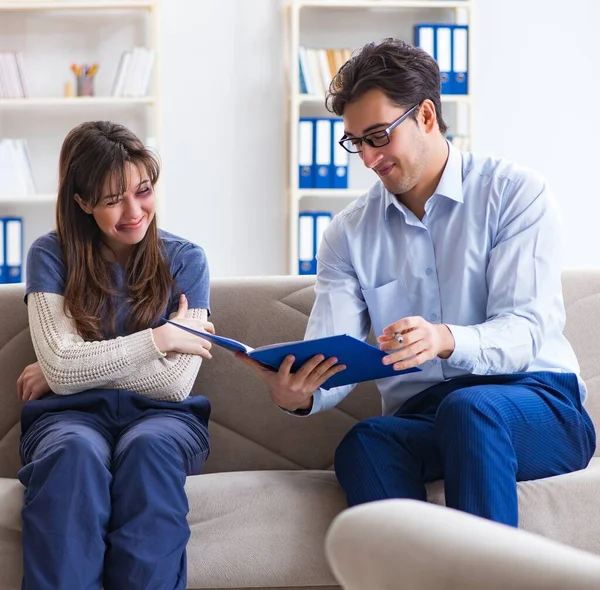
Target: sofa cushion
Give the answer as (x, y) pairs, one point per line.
(11, 563)
(247, 430)
(551, 506)
(261, 528)
(266, 529)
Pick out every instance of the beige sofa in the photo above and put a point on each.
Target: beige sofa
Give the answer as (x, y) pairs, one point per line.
(260, 513)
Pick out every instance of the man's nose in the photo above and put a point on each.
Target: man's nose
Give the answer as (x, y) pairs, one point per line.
(370, 155)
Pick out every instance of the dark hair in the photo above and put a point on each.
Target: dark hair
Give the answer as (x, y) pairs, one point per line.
(92, 155)
(406, 74)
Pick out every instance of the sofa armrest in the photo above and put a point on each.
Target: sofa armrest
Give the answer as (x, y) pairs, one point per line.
(420, 546)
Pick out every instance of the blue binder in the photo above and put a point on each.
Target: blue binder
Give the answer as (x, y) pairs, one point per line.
(339, 156)
(323, 154)
(322, 220)
(306, 153)
(363, 361)
(311, 227)
(13, 249)
(443, 55)
(307, 244)
(436, 40)
(460, 60)
(2, 253)
(425, 38)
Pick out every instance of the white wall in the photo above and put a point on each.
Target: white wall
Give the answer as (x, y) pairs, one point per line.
(223, 131)
(536, 86)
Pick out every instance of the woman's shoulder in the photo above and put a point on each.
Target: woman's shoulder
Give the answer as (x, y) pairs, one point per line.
(45, 265)
(46, 246)
(48, 241)
(176, 247)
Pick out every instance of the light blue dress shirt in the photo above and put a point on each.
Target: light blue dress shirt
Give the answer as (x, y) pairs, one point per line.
(485, 260)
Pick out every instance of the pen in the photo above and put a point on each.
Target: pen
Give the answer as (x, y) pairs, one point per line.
(398, 337)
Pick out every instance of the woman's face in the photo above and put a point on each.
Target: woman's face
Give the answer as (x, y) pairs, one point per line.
(124, 218)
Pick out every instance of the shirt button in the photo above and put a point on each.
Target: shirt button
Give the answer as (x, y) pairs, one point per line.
(433, 317)
(428, 272)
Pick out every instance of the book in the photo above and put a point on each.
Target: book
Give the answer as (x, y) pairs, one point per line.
(363, 361)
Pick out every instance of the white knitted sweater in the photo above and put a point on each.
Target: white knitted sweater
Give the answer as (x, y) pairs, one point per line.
(133, 362)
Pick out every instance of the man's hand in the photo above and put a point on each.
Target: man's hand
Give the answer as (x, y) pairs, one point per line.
(293, 391)
(421, 342)
(32, 384)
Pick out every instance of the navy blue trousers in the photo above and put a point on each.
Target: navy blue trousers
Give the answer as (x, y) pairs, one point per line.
(481, 434)
(104, 472)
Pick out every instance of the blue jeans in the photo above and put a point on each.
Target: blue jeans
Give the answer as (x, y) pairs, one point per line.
(104, 472)
(481, 434)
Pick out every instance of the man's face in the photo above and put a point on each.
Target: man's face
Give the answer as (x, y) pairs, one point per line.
(400, 163)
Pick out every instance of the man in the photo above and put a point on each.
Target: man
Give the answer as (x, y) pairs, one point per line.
(453, 260)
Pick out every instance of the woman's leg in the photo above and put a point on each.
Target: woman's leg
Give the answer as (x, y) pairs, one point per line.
(66, 473)
(148, 530)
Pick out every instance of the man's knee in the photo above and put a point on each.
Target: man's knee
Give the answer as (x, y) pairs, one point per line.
(359, 441)
(465, 407)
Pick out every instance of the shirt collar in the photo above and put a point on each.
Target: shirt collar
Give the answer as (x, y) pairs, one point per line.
(450, 185)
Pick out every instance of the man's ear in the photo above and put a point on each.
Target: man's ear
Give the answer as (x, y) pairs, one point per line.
(428, 116)
(84, 206)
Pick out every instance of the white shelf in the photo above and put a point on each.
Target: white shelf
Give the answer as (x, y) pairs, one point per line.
(447, 98)
(348, 193)
(383, 4)
(76, 102)
(28, 199)
(30, 26)
(457, 11)
(26, 5)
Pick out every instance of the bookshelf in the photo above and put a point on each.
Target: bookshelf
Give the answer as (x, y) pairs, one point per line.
(51, 35)
(73, 103)
(351, 24)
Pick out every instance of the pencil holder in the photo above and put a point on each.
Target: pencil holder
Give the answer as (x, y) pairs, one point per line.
(85, 86)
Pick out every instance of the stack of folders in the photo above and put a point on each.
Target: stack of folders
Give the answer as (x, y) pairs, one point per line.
(322, 161)
(16, 176)
(311, 227)
(317, 67)
(448, 45)
(134, 73)
(11, 249)
(12, 79)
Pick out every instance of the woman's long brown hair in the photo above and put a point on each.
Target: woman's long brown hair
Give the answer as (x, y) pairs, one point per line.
(95, 155)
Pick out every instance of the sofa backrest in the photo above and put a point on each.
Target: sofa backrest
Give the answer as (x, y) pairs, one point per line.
(248, 432)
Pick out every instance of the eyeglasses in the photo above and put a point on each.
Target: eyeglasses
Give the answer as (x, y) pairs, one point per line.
(376, 139)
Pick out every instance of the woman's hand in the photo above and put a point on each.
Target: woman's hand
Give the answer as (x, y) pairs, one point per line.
(32, 384)
(169, 338)
(293, 391)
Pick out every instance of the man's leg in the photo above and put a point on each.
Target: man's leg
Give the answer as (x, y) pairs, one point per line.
(506, 429)
(388, 457)
(148, 530)
(66, 457)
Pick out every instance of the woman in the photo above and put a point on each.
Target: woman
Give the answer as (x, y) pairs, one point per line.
(105, 456)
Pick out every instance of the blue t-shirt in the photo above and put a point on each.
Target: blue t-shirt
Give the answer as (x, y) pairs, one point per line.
(46, 273)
